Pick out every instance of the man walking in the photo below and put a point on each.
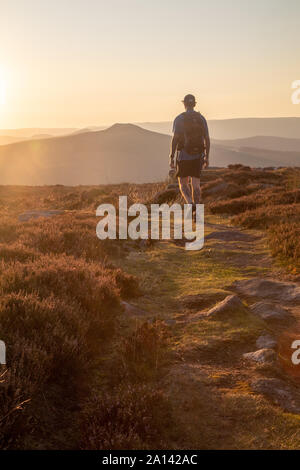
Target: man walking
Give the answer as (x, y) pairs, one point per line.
(192, 144)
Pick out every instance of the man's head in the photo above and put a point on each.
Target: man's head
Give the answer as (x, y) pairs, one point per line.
(189, 101)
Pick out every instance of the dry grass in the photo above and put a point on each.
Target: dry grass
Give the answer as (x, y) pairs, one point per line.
(55, 312)
(266, 216)
(272, 204)
(62, 322)
(128, 417)
(60, 302)
(69, 344)
(285, 243)
(267, 197)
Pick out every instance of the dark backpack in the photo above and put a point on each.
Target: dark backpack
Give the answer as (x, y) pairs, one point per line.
(194, 133)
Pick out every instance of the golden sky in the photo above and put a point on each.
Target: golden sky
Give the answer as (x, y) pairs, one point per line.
(75, 63)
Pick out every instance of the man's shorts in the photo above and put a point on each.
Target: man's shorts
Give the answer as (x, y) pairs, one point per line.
(186, 168)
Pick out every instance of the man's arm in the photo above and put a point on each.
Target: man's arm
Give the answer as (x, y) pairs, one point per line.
(174, 144)
(206, 142)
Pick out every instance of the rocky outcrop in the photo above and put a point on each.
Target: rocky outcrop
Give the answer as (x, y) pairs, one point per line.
(202, 301)
(282, 394)
(266, 341)
(230, 304)
(261, 356)
(285, 292)
(269, 311)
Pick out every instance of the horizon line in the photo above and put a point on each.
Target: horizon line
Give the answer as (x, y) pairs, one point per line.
(140, 122)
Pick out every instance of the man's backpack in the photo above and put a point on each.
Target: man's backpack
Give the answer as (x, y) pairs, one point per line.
(194, 133)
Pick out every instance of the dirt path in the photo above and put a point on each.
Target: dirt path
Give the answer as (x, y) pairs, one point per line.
(219, 397)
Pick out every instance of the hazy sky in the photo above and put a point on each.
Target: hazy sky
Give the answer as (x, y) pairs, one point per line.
(91, 62)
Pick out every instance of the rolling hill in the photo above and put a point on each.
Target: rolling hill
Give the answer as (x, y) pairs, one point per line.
(121, 153)
(221, 155)
(239, 128)
(281, 144)
(278, 151)
(220, 129)
(10, 136)
(27, 133)
(8, 139)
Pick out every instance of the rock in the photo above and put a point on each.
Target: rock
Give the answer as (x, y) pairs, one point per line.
(230, 236)
(268, 289)
(279, 392)
(261, 356)
(133, 310)
(269, 311)
(266, 342)
(230, 303)
(25, 216)
(201, 301)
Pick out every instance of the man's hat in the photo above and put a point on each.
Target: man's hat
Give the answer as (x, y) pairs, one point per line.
(189, 99)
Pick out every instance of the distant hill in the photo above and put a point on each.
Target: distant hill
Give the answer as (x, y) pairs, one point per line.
(7, 139)
(11, 139)
(220, 129)
(89, 129)
(42, 136)
(121, 153)
(30, 132)
(281, 144)
(160, 127)
(222, 156)
(262, 150)
(241, 127)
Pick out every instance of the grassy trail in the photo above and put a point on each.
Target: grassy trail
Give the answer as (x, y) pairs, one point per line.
(207, 381)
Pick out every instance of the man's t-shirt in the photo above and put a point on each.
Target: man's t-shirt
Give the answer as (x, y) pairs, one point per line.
(178, 128)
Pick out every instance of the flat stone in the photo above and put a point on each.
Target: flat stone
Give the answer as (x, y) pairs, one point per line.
(25, 216)
(262, 356)
(229, 304)
(283, 395)
(200, 301)
(269, 311)
(268, 289)
(266, 342)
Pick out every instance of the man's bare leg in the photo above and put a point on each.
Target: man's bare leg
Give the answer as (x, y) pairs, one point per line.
(196, 191)
(185, 189)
